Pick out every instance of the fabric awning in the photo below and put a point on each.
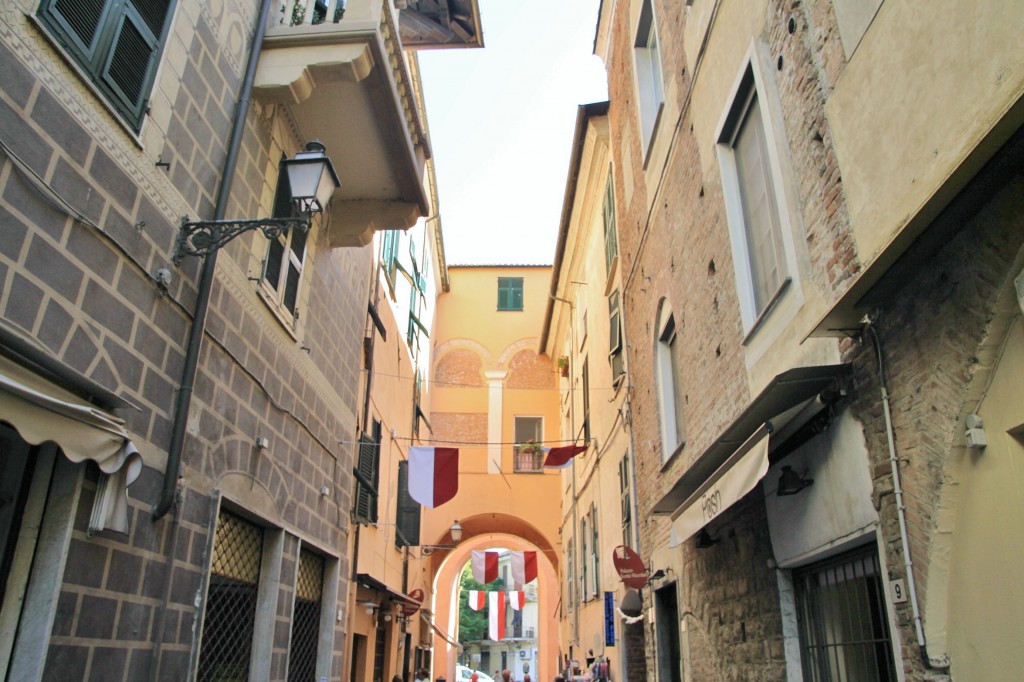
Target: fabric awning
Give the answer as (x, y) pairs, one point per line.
(734, 479)
(785, 392)
(43, 412)
(368, 581)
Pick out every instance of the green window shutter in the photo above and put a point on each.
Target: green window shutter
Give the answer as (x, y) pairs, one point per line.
(369, 477)
(510, 293)
(611, 241)
(117, 42)
(407, 516)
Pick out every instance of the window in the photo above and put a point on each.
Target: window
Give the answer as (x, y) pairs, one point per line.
(527, 457)
(648, 72)
(368, 477)
(585, 374)
(753, 200)
(670, 402)
(389, 254)
(585, 551)
(286, 255)
(117, 43)
(593, 561)
(616, 358)
(841, 614)
(407, 516)
(230, 617)
(626, 500)
(611, 241)
(570, 573)
(306, 617)
(510, 293)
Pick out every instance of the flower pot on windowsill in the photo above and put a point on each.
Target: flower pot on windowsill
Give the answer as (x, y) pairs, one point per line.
(563, 366)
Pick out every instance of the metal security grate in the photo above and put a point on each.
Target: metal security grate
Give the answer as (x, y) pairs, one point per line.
(306, 618)
(844, 629)
(231, 601)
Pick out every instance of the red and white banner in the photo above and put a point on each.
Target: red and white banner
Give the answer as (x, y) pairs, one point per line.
(485, 566)
(476, 599)
(558, 458)
(433, 475)
(524, 567)
(496, 615)
(516, 599)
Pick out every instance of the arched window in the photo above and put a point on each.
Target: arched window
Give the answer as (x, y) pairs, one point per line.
(667, 376)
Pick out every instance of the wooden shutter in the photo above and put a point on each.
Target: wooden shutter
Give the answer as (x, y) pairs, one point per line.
(408, 513)
(367, 465)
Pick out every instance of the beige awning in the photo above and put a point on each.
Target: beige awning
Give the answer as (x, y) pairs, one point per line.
(735, 478)
(43, 412)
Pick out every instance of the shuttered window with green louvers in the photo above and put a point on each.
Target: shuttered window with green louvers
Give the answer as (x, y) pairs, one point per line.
(408, 513)
(117, 44)
(368, 477)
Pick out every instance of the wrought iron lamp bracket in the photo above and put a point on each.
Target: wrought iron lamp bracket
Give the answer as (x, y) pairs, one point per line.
(203, 237)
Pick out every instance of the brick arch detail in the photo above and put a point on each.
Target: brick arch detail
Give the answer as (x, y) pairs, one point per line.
(236, 457)
(526, 369)
(449, 353)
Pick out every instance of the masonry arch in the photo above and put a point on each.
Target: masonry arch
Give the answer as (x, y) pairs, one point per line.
(447, 570)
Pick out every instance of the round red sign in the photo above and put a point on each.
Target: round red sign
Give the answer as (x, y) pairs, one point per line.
(630, 567)
(410, 609)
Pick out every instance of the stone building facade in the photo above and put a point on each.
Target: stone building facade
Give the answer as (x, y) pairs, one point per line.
(127, 557)
(784, 218)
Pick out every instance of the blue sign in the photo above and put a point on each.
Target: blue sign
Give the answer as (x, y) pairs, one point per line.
(609, 619)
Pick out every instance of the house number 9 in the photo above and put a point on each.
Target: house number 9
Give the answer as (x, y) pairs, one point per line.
(899, 591)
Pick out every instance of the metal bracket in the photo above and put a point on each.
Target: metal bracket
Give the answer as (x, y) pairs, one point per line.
(203, 237)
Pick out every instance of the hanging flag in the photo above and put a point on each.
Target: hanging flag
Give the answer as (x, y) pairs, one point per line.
(433, 475)
(524, 567)
(475, 599)
(560, 457)
(485, 566)
(496, 615)
(516, 599)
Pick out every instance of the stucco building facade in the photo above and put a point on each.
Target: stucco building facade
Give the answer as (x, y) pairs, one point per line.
(818, 241)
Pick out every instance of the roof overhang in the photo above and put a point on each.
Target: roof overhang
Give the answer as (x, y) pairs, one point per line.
(368, 581)
(776, 405)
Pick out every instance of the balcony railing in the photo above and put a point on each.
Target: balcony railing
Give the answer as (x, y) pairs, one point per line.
(294, 13)
(528, 460)
(520, 632)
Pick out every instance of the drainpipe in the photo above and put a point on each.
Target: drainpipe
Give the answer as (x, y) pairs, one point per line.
(198, 331)
(900, 508)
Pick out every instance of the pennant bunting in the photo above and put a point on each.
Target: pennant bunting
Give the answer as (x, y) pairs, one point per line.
(485, 566)
(433, 475)
(524, 567)
(476, 599)
(516, 599)
(561, 457)
(496, 615)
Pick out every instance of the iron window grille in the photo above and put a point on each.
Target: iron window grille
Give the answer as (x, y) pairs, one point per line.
(306, 617)
(844, 626)
(230, 618)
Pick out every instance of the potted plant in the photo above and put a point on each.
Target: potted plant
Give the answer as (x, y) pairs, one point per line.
(529, 447)
(563, 365)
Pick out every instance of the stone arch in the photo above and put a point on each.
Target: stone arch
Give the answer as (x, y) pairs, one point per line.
(236, 466)
(444, 603)
(513, 349)
(526, 369)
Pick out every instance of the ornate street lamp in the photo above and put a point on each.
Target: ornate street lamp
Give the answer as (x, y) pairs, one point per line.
(456, 533)
(311, 179)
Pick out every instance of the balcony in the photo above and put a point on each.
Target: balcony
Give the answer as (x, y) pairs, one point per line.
(339, 71)
(527, 460)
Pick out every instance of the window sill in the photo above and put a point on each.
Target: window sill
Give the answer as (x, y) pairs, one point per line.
(759, 321)
(287, 322)
(672, 458)
(648, 151)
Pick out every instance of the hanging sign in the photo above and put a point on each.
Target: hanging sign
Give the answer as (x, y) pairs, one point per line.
(410, 609)
(630, 567)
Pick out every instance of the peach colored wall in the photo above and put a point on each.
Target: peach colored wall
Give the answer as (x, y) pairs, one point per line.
(473, 345)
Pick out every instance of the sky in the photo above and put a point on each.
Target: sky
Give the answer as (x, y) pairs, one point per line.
(501, 127)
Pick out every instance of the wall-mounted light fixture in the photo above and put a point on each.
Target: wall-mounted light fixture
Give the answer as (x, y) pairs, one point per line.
(790, 482)
(312, 180)
(705, 540)
(456, 533)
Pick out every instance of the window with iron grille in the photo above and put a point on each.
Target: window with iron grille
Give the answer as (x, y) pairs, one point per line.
(286, 254)
(407, 516)
(510, 293)
(117, 44)
(306, 617)
(626, 497)
(230, 616)
(368, 479)
(844, 626)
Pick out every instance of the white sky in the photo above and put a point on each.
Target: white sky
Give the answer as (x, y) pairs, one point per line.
(501, 126)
